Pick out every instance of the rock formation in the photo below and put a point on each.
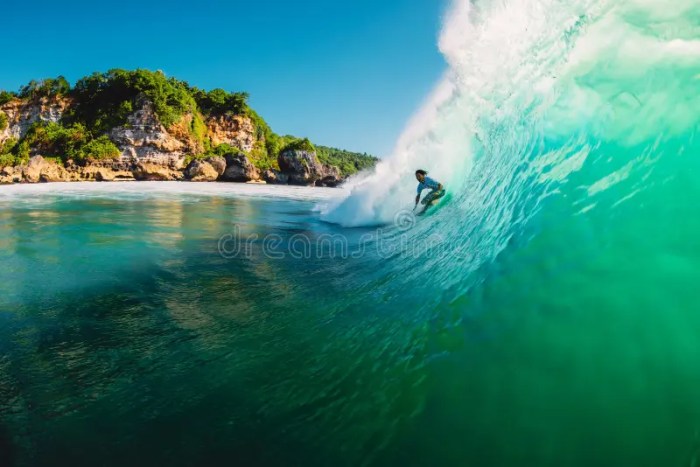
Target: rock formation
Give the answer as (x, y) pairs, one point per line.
(144, 139)
(22, 114)
(239, 169)
(237, 131)
(74, 146)
(201, 171)
(150, 171)
(301, 167)
(275, 177)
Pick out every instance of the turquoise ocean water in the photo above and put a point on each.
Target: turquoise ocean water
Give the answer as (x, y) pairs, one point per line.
(547, 313)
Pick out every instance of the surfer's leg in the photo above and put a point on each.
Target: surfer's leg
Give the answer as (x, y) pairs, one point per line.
(436, 196)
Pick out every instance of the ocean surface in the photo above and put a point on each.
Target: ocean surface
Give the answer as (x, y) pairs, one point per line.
(546, 313)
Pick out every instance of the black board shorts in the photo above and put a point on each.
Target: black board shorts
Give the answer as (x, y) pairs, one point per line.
(433, 195)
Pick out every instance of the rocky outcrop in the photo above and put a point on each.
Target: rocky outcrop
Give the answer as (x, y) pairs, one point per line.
(32, 172)
(104, 174)
(218, 163)
(39, 169)
(201, 171)
(10, 175)
(232, 168)
(152, 151)
(235, 130)
(22, 114)
(239, 169)
(275, 177)
(148, 171)
(301, 167)
(145, 140)
(331, 177)
(54, 173)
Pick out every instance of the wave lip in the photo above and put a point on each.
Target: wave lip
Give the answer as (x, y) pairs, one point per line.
(533, 80)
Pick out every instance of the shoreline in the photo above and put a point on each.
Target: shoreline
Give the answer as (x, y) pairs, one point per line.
(231, 169)
(159, 189)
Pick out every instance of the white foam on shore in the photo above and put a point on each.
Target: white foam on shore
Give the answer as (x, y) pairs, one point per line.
(160, 190)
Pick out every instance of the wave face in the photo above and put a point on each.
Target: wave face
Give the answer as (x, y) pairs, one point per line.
(545, 314)
(566, 133)
(539, 92)
(570, 121)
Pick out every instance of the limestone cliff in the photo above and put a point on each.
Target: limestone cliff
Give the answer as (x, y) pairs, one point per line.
(22, 114)
(236, 130)
(143, 139)
(142, 125)
(150, 151)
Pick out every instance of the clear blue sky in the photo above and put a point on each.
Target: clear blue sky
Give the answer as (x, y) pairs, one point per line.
(344, 73)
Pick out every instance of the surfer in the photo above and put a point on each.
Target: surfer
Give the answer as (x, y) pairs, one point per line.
(437, 191)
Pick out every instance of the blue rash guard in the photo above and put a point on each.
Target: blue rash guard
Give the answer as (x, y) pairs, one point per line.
(435, 191)
(428, 183)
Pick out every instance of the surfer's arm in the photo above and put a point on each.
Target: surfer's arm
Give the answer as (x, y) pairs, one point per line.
(417, 198)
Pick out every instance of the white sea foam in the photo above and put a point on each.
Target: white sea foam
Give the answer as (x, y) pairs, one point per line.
(615, 69)
(136, 190)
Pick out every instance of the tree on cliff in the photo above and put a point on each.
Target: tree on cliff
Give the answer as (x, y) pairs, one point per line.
(105, 100)
(6, 96)
(45, 88)
(102, 102)
(220, 102)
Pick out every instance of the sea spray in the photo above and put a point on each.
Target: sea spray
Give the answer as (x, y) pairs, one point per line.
(537, 81)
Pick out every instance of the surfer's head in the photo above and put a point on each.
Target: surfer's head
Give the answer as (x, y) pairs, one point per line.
(420, 175)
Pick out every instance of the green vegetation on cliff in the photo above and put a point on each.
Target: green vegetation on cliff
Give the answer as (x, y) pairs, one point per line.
(103, 101)
(6, 96)
(45, 88)
(73, 142)
(302, 144)
(348, 162)
(220, 102)
(7, 156)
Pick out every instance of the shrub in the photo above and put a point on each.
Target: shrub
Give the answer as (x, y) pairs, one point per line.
(6, 96)
(8, 146)
(3, 120)
(54, 140)
(300, 145)
(99, 148)
(348, 162)
(273, 142)
(261, 158)
(21, 152)
(223, 149)
(7, 160)
(74, 142)
(220, 102)
(105, 100)
(45, 88)
(6, 153)
(198, 129)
